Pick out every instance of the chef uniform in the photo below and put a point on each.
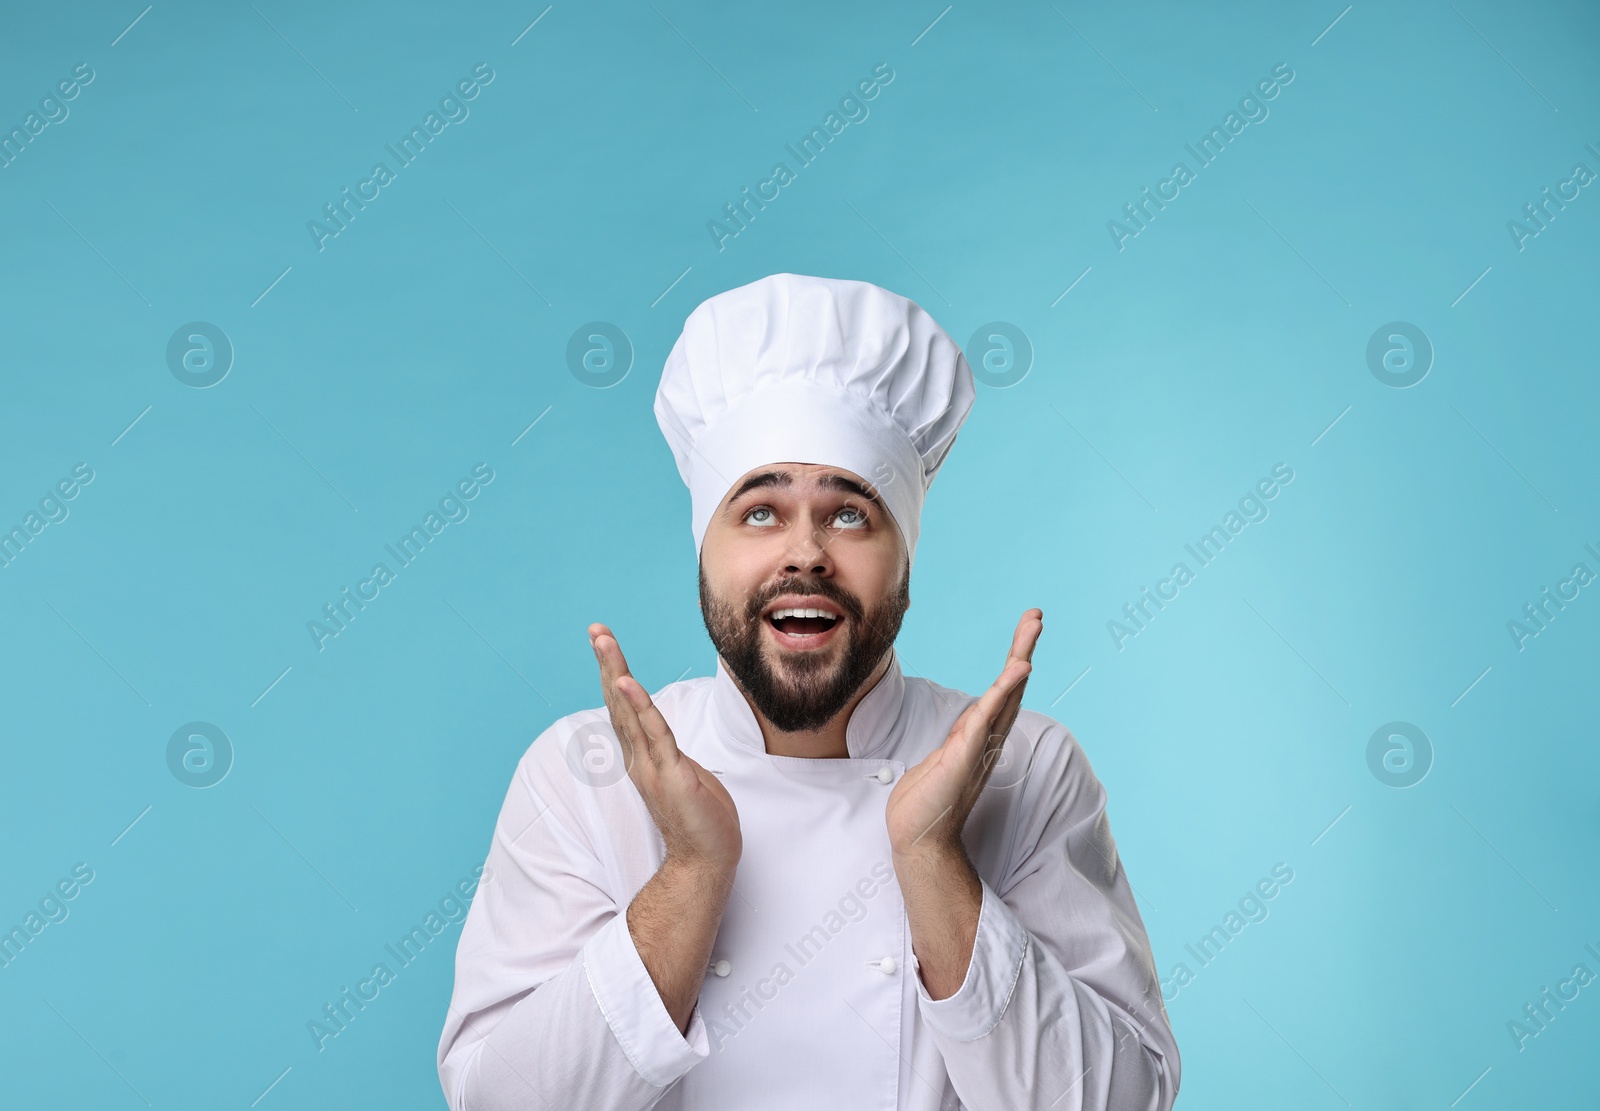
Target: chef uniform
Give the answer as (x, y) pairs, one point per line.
(812, 999)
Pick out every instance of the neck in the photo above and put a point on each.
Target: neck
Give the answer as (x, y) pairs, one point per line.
(828, 742)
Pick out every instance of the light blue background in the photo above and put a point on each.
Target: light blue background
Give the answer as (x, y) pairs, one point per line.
(1226, 338)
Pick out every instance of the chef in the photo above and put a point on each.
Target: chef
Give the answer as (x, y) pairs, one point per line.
(810, 882)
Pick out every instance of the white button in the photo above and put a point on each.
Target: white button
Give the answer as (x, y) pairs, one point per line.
(884, 776)
(722, 968)
(885, 966)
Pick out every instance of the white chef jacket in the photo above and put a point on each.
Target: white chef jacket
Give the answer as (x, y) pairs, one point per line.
(812, 998)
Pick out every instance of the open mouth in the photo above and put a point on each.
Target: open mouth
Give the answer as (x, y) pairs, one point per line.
(803, 628)
(801, 622)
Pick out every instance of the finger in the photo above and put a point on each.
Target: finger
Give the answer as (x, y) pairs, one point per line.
(985, 711)
(1011, 677)
(1023, 642)
(1019, 662)
(613, 670)
(609, 652)
(662, 745)
(595, 632)
(661, 750)
(613, 665)
(1001, 701)
(1029, 629)
(1007, 716)
(1027, 635)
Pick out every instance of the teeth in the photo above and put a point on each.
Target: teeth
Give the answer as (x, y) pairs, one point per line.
(794, 612)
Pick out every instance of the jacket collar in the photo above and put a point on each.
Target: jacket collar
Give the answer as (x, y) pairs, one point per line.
(870, 734)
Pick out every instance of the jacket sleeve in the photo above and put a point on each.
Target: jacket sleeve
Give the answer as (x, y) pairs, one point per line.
(1061, 1005)
(552, 1005)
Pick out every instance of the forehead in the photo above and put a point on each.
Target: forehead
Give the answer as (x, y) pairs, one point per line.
(801, 480)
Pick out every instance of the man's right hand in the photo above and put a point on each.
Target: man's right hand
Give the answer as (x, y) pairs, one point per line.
(675, 917)
(693, 810)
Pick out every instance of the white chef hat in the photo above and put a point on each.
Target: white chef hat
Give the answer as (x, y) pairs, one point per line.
(800, 369)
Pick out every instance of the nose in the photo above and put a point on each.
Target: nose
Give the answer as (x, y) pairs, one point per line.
(809, 552)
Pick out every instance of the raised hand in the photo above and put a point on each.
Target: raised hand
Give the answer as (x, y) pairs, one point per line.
(928, 808)
(693, 810)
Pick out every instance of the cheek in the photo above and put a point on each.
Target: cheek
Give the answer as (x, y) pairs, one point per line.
(871, 571)
(734, 571)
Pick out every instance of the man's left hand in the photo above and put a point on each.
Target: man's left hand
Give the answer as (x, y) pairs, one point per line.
(928, 808)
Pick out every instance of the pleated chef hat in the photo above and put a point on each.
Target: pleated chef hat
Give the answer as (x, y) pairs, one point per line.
(800, 369)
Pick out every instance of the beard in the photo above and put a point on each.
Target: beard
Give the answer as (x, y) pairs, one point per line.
(802, 691)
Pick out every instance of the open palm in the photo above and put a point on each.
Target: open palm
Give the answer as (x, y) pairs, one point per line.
(928, 808)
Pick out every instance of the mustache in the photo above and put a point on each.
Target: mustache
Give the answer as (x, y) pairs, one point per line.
(819, 588)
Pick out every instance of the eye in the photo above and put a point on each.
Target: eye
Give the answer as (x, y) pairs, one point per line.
(762, 516)
(850, 517)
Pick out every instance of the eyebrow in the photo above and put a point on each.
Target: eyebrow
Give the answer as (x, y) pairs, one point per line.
(849, 486)
(837, 482)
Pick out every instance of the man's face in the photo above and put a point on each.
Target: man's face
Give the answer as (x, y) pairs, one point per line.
(800, 536)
